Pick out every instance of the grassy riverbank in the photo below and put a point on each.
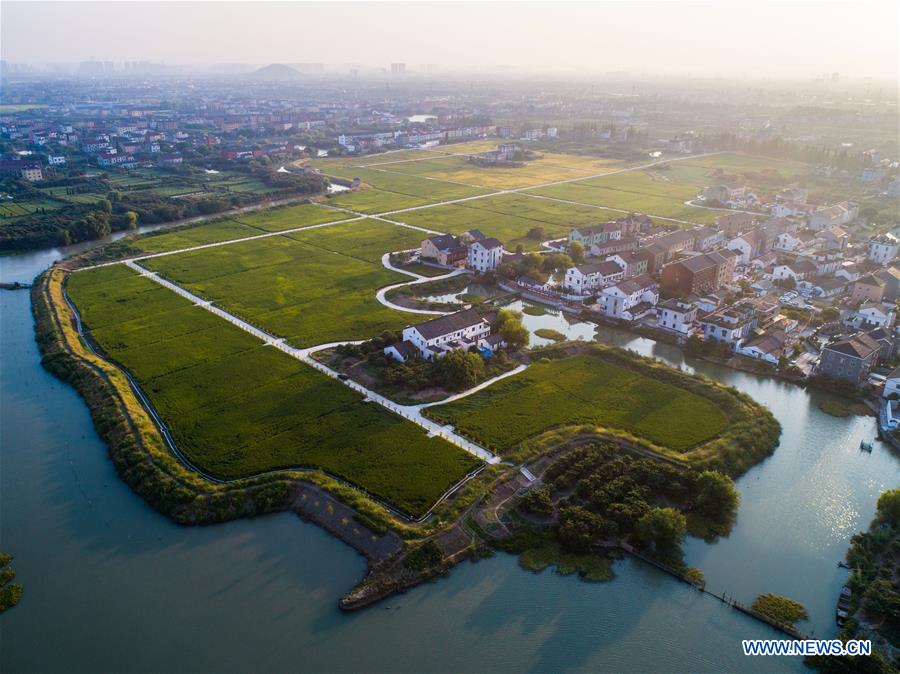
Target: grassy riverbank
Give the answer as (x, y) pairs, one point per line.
(146, 463)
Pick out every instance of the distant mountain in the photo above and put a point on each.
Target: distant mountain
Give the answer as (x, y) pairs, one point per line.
(276, 71)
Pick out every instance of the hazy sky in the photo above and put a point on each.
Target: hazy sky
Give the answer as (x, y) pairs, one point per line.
(704, 38)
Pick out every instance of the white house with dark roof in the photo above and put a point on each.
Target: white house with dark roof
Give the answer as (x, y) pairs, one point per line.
(484, 255)
(460, 330)
(676, 315)
(402, 351)
(629, 300)
(798, 270)
(874, 315)
(586, 278)
(768, 347)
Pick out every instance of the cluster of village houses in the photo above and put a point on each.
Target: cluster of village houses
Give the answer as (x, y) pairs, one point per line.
(729, 282)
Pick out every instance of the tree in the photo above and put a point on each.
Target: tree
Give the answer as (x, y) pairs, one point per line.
(556, 262)
(576, 252)
(536, 233)
(511, 330)
(532, 264)
(889, 506)
(538, 501)
(131, 220)
(662, 530)
(716, 496)
(459, 370)
(829, 314)
(579, 528)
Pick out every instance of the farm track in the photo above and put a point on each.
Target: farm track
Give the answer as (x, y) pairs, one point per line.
(412, 413)
(383, 216)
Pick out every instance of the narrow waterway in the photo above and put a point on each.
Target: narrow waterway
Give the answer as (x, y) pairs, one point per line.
(110, 585)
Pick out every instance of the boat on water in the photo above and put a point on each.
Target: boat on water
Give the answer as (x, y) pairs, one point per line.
(865, 446)
(843, 606)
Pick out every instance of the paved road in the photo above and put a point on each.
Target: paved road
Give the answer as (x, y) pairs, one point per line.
(412, 413)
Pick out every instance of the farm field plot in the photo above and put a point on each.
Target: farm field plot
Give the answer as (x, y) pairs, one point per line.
(290, 217)
(583, 390)
(733, 162)
(13, 209)
(373, 201)
(415, 185)
(309, 293)
(543, 210)
(653, 183)
(457, 169)
(659, 206)
(365, 240)
(237, 408)
(509, 218)
(213, 232)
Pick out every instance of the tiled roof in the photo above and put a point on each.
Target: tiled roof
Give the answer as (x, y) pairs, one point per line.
(444, 325)
(857, 346)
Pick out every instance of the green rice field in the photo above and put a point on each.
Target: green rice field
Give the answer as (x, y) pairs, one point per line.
(237, 408)
(584, 389)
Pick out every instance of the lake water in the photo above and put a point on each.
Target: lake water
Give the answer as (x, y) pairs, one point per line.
(111, 585)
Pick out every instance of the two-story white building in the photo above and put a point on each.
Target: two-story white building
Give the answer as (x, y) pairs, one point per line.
(460, 330)
(484, 255)
(629, 300)
(728, 326)
(587, 278)
(676, 315)
(883, 249)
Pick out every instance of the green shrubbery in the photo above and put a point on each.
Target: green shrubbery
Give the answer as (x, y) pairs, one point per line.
(614, 496)
(782, 610)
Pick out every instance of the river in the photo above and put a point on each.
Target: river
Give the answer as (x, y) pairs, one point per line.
(111, 585)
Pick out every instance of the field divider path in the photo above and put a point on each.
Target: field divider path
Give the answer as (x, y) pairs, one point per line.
(358, 215)
(411, 413)
(216, 244)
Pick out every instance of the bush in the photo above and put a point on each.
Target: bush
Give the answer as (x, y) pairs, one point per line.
(782, 610)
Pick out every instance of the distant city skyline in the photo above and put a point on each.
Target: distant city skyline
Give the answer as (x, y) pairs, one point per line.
(732, 39)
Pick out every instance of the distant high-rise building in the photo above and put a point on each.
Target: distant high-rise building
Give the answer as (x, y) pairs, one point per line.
(90, 67)
(398, 68)
(835, 77)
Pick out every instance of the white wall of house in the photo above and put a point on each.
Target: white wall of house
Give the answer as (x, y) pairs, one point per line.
(676, 320)
(891, 387)
(472, 334)
(483, 259)
(882, 252)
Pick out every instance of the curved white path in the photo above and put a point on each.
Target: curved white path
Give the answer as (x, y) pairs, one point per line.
(419, 278)
(693, 202)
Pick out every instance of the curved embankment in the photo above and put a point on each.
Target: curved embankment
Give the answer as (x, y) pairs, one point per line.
(143, 459)
(685, 416)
